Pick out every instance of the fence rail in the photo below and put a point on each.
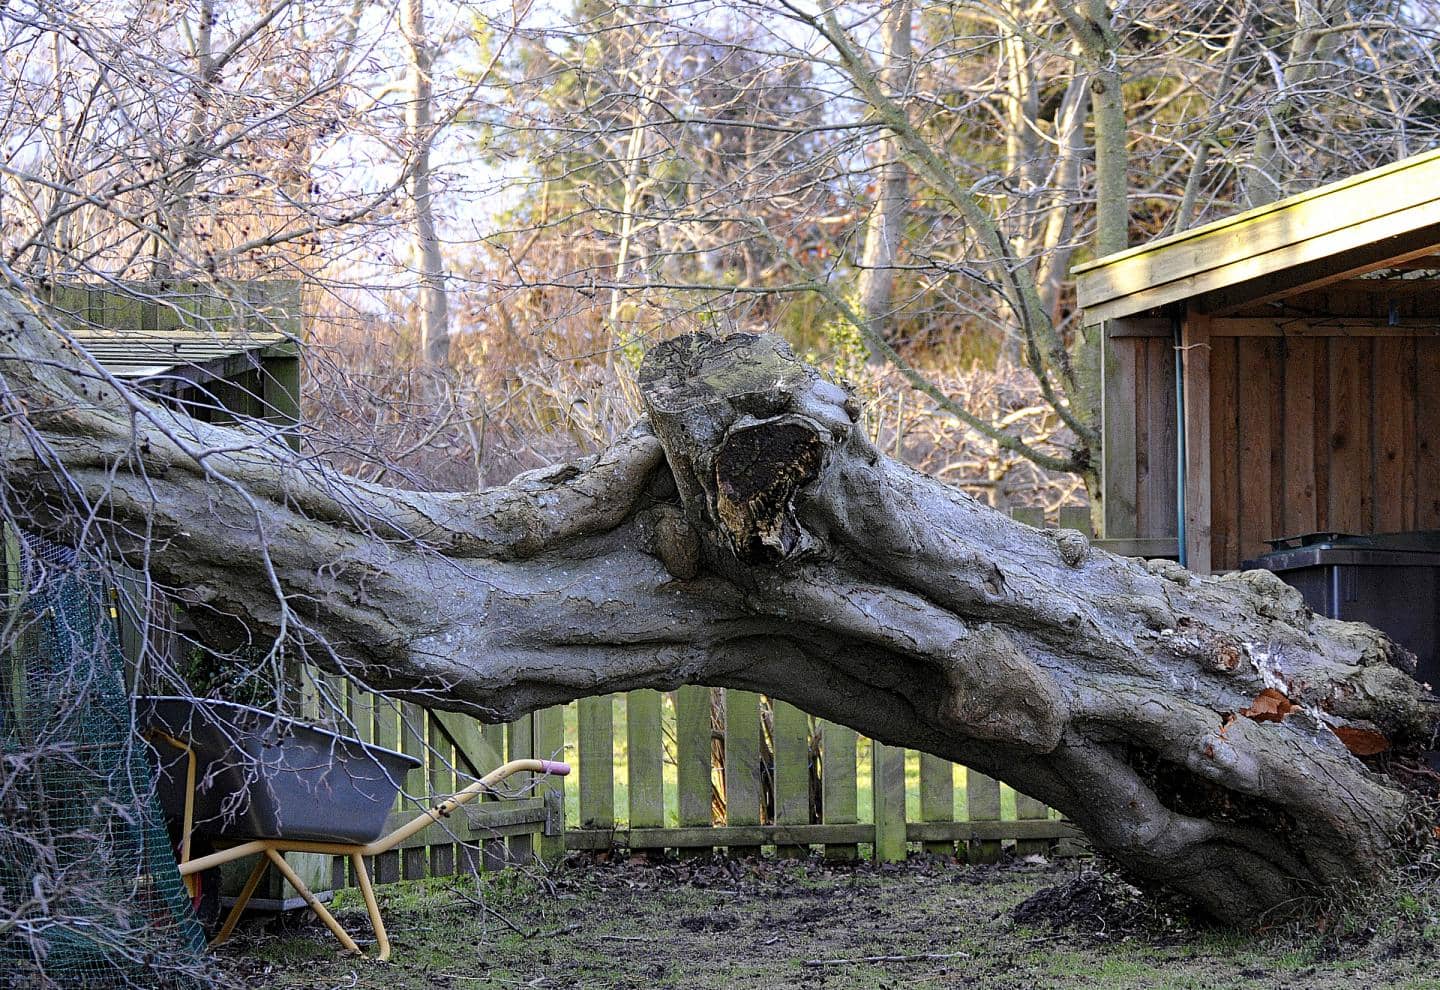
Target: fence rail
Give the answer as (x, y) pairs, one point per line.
(699, 769)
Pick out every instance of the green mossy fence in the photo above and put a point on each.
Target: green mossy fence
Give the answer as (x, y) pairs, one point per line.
(740, 773)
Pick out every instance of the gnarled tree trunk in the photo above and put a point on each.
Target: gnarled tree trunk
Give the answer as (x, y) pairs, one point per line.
(749, 536)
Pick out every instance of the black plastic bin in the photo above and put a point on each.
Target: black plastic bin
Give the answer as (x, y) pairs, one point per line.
(1389, 580)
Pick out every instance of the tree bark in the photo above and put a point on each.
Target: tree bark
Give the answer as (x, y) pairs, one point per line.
(434, 304)
(747, 535)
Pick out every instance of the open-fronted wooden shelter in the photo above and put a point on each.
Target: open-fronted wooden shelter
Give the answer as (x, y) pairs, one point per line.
(1275, 373)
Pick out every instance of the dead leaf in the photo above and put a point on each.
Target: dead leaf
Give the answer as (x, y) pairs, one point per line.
(1269, 705)
(1361, 742)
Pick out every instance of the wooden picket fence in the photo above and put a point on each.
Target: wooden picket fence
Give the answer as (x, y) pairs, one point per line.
(747, 773)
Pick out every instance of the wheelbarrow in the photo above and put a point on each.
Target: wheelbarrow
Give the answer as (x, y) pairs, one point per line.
(257, 782)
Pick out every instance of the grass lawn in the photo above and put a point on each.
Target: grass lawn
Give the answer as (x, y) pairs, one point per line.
(711, 924)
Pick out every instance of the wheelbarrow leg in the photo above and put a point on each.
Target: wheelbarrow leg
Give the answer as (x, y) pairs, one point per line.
(324, 915)
(382, 939)
(246, 892)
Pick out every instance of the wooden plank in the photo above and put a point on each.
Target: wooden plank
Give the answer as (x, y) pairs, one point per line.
(839, 791)
(645, 756)
(693, 755)
(520, 745)
(1256, 385)
(937, 799)
(1140, 326)
(1195, 350)
(440, 757)
(1157, 495)
(1224, 455)
(1299, 427)
(790, 737)
(1030, 515)
(595, 718)
(743, 767)
(1392, 399)
(1031, 809)
(1118, 405)
(1349, 410)
(492, 848)
(982, 799)
(887, 765)
(1313, 327)
(733, 836)
(1427, 434)
(413, 865)
(550, 745)
(1076, 517)
(360, 710)
(386, 867)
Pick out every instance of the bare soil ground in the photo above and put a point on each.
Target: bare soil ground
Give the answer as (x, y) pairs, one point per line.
(716, 923)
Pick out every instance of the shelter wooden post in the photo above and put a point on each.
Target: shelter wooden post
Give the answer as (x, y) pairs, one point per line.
(1195, 372)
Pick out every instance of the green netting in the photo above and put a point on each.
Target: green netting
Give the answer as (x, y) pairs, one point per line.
(89, 893)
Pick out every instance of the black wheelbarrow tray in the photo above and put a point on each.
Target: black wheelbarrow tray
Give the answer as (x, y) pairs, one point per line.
(266, 784)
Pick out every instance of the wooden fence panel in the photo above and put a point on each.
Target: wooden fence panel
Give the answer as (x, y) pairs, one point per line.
(646, 758)
(742, 762)
(595, 719)
(550, 745)
(888, 783)
(937, 799)
(693, 754)
(520, 745)
(413, 863)
(839, 791)
(440, 757)
(982, 795)
(790, 738)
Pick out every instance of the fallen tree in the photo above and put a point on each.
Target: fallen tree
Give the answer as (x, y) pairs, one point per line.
(1207, 733)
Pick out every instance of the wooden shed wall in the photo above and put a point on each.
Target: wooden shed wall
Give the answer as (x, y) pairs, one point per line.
(1319, 434)
(1314, 428)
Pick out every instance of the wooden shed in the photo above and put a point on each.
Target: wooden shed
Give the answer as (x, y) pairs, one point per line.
(1275, 373)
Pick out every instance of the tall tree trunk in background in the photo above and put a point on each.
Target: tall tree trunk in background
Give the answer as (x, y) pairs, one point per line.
(1264, 181)
(1203, 731)
(1090, 23)
(885, 229)
(434, 309)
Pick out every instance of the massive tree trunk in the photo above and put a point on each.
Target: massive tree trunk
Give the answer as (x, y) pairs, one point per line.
(747, 535)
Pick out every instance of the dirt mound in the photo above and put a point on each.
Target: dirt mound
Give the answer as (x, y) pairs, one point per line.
(1096, 903)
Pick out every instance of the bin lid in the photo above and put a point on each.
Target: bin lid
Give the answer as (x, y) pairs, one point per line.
(1419, 548)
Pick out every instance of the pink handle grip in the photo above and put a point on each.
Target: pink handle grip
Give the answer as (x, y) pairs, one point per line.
(556, 767)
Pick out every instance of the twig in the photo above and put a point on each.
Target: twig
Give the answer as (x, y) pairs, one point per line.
(923, 957)
(626, 938)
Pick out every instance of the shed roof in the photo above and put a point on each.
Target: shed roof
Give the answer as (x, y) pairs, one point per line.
(171, 360)
(1380, 218)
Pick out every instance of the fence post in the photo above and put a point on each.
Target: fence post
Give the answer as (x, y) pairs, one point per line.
(742, 763)
(937, 798)
(550, 745)
(887, 767)
(520, 741)
(412, 743)
(643, 736)
(982, 795)
(838, 799)
(790, 735)
(595, 718)
(387, 734)
(693, 759)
